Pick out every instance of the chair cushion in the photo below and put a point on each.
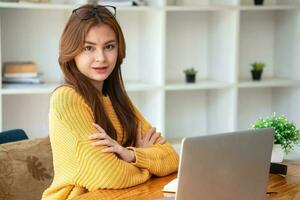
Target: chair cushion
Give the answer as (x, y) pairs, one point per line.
(12, 136)
(26, 169)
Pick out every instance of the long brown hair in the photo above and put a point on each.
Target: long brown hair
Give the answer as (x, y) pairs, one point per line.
(71, 44)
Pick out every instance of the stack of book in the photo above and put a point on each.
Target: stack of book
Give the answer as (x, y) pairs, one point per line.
(20, 72)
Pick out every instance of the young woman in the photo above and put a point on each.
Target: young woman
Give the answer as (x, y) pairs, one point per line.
(99, 139)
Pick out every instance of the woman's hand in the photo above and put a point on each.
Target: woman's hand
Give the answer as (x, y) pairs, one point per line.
(102, 139)
(150, 137)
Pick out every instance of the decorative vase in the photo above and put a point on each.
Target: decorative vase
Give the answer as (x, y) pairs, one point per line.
(258, 2)
(277, 153)
(256, 75)
(190, 78)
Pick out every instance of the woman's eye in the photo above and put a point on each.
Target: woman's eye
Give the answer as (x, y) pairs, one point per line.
(88, 48)
(110, 47)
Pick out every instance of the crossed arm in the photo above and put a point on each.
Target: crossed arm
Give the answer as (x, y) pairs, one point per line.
(151, 152)
(127, 154)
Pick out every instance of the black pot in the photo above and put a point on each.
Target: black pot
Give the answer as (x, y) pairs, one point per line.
(256, 75)
(190, 78)
(258, 2)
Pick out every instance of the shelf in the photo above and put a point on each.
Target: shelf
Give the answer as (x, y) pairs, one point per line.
(8, 89)
(226, 7)
(52, 6)
(137, 8)
(198, 8)
(269, 7)
(15, 89)
(200, 84)
(38, 6)
(268, 82)
(132, 86)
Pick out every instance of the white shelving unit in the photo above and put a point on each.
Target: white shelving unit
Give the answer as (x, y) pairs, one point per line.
(220, 38)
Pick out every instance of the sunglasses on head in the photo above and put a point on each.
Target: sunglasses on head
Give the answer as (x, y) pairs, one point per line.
(98, 11)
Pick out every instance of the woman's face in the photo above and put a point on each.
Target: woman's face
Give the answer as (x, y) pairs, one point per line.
(99, 54)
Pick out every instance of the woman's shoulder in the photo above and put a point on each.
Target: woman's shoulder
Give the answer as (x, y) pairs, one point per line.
(64, 91)
(64, 87)
(65, 94)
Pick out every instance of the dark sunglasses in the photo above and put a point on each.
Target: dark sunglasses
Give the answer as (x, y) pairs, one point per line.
(99, 11)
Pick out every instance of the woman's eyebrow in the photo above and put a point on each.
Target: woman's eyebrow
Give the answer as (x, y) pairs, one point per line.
(110, 41)
(90, 42)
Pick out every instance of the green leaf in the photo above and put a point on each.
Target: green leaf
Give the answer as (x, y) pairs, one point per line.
(286, 132)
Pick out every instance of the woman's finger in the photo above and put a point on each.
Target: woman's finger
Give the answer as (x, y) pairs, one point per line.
(154, 137)
(149, 134)
(112, 149)
(98, 136)
(99, 128)
(102, 143)
(162, 140)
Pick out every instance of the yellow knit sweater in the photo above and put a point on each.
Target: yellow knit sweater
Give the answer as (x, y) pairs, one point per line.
(80, 167)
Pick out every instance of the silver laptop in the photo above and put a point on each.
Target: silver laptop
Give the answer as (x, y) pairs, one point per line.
(230, 166)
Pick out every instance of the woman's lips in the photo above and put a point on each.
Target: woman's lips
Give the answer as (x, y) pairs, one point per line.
(100, 69)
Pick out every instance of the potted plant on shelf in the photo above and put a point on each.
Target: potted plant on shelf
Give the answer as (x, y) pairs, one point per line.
(258, 2)
(190, 75)
(257, 70)
(286, 134)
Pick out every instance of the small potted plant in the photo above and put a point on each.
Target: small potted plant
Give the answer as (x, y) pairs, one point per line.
(258, 2)
(286, 134)
(190, 75)
(257, 70)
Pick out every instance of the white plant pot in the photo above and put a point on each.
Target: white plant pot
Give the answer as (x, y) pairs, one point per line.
(277, 153)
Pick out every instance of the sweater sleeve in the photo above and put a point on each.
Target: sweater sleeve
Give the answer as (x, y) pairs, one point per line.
(92, 168)
(159, 159)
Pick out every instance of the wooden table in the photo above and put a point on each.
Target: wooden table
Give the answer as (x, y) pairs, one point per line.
(284, 188)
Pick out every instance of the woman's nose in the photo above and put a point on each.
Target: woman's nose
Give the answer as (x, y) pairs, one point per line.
(100, 56)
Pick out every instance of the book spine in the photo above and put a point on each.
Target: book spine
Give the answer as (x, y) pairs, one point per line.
(19, 68)
(20, 75)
